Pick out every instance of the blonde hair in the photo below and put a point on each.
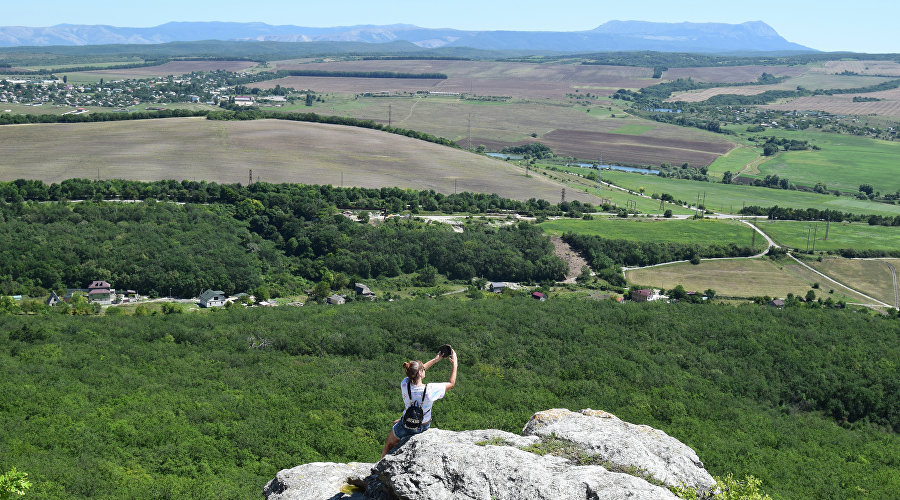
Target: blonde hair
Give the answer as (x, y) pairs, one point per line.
(412, 369)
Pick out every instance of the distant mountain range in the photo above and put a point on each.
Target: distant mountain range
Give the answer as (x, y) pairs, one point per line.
(754, 36)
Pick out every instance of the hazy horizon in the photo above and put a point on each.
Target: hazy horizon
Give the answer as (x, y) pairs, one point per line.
(821, 25)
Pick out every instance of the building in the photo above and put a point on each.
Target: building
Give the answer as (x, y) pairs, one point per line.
(212, 298)
(336, 299)
(53, 300)
(777, 303)
(100, 292)
(539, 296)
(496, 286)
(642, 295)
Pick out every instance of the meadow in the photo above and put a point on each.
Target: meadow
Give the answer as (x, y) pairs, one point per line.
(858, 236)
(872, 277)
(742, 278)
(276, 151)
(729, 198)
(844, 162)
(657, 230)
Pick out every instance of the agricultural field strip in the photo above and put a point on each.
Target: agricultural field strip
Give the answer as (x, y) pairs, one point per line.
(894, 279)
(829, 278)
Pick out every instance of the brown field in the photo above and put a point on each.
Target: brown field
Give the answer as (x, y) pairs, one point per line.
(732, 74)
(702, 95)
(634, 149)
(174, 68)
(520, 80)
(872, 277)
(276, 150)
(842, 104)
(884, 68)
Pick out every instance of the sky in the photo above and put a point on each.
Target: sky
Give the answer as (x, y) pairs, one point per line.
(829, 25)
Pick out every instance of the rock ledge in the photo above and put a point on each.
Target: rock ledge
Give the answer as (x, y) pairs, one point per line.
(560, 455)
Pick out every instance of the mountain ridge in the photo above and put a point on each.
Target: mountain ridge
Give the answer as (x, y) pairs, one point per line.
(755, 36)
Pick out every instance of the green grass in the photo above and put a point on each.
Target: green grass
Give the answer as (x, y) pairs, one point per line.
(733, 162)
(676, 231)
(728, 198)
(857, 236)
(844, 162)
(633, 129)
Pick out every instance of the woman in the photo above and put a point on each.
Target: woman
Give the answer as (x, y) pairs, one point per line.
(413, 389)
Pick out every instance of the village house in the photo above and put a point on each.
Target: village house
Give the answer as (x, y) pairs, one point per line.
(212, 298)
(539, 296)
(642, 295)
(100, 292)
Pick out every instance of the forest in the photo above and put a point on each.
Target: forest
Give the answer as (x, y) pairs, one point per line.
(235, 238)
(213, 405)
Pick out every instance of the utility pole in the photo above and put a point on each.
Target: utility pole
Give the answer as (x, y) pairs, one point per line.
(827, 225)
(389, 115)
(815, 230)
(563, 198)
(808, 230)
(98, 174)
(251, 176)
(342, 179)
(469, 133)
(753, 242)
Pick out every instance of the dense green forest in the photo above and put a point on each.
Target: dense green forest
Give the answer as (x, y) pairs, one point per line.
(235, 238)
(212, 405)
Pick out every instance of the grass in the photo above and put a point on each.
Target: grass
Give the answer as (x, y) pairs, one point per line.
(276, 150)
(676, 231)
(734, 161)
(728, 198)
(872, 277)
(844, 162)
(858, 236)
(633, 129)
(742, 278)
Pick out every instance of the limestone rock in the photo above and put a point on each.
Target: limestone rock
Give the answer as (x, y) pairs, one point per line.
(319, 480)
(602, 434)
(439, 465)
(560, 455)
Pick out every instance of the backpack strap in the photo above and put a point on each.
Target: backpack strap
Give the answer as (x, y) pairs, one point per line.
(424, 392)
(409, 390)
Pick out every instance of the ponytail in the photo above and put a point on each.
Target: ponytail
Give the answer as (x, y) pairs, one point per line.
(412, 369)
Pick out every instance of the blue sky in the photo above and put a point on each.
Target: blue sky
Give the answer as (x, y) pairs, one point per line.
(861, 26)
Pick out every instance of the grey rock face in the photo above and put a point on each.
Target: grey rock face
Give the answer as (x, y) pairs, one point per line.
(602, 434)
(561, 455)
(319, 480)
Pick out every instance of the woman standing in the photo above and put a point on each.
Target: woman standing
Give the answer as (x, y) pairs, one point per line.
(415, 391)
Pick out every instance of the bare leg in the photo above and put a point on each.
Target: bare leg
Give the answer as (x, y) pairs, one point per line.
(389, 443)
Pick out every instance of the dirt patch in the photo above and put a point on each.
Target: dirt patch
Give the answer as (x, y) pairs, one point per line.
(570, 257)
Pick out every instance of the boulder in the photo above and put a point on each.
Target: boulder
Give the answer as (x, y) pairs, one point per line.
(627, 445)
(560, 455)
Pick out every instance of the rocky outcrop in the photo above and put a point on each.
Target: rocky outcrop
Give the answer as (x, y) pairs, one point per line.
(560, 455)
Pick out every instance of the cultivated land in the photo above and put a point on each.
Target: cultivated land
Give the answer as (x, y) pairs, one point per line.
(728, 198)
(872, 277)
(842, 104)
(170, 68)
(734, 161)
(742, 278)
(844, 162)
(669, 230)
(732, 74)
(276, 150)
(858, 236)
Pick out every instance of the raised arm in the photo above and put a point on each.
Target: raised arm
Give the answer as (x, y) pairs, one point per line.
(430, 362)
(453, 361)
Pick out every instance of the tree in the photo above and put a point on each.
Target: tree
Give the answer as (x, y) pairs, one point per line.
(427, 276)
(321, 290)
(668, 213)
(13, 484)
(726, 177)
(678, 293)
(309, 99)
(866, 188)
(810, 296)
(769, 149)
(710, 293)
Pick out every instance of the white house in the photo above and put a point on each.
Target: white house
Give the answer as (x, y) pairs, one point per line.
(212, 298)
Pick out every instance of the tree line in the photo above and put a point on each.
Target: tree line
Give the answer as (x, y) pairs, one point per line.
(787, 213)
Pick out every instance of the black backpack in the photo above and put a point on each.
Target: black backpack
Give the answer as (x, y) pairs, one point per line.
(412, 417)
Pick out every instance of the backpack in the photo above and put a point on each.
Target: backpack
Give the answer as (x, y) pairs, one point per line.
(412, 417)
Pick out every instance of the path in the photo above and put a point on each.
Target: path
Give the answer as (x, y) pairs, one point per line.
(896, 287)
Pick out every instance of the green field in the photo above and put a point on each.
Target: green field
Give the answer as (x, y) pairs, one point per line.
(733, 162)
(858, 236)
(668, 230)
(633, 129)
(728, 198)
(843, 163)
(872, 277)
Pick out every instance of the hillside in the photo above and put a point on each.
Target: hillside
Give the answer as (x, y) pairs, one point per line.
(276, 151)
(213, 405)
